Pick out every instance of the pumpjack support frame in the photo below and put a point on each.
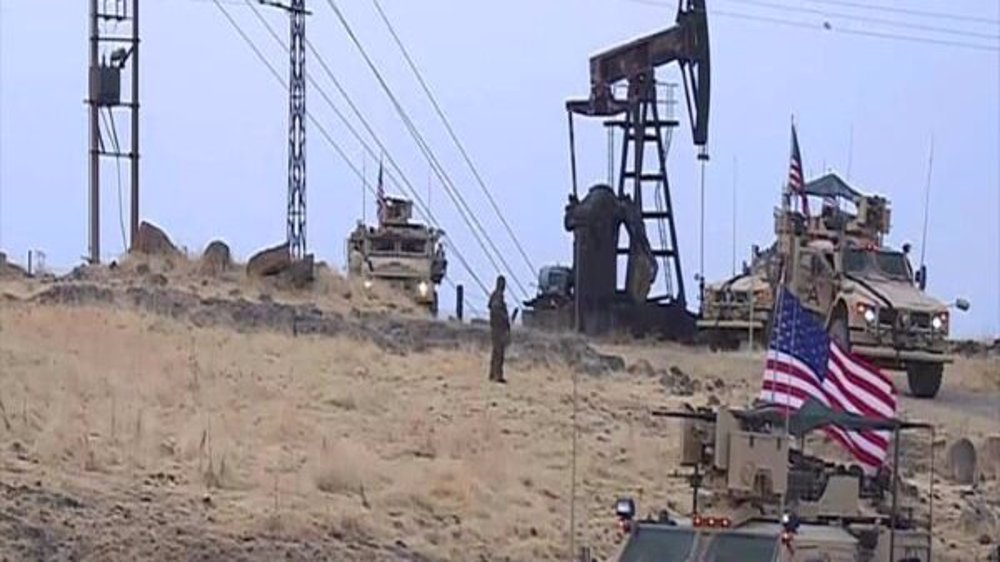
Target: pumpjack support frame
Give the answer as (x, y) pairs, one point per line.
(635, 63)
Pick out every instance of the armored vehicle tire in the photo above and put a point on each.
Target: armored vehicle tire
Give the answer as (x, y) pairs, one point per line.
(924, 379)
(840, 333)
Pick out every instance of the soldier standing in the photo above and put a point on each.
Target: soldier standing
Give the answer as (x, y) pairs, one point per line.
(499, 330)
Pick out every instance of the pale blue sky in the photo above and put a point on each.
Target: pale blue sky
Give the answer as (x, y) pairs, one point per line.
(214, 126)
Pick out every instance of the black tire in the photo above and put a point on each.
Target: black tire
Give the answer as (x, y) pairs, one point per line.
(839, 331)
(924, 379)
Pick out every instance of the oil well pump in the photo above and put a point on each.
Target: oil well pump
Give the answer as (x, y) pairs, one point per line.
(642, 199)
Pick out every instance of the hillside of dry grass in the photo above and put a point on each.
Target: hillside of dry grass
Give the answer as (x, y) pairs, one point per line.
(130, 432)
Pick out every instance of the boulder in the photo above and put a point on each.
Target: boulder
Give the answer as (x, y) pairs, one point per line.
(271, 261)
(9, 268)
(153, 241)
(301, 272)
(962, 462)
(215, 259)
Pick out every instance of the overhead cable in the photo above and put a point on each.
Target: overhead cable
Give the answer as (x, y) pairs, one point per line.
(319, 126)
(406, 187)
(826, 26)
(464, 210)
(866, 19)
(452, 134)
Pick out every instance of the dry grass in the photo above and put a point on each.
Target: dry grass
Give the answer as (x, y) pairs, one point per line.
(297, 436)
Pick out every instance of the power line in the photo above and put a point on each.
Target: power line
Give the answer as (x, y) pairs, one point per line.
(452, 191)
(909, 11)
(827, 27)
(422, 207)
(319, 126)
(866, 19)
(451, 133)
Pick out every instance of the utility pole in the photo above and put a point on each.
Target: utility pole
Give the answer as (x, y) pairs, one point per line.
(111, 51)
(296, 125)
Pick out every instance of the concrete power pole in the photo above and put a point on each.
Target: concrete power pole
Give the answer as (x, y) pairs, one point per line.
(111, 51)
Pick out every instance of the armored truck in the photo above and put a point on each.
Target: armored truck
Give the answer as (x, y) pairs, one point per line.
(872, 300)
(838, 264)
(758, 498)
(405, 255)
(738, 310)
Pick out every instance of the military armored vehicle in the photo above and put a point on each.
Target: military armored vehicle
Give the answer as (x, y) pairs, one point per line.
(738, 310)
(837, 263)
(400, 253)
(552, 306)
(758, 498)
(872, 300)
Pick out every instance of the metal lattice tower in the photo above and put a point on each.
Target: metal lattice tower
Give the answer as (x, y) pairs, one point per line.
(297, 131)
(647, 183)
(296, 125)
(114, 54)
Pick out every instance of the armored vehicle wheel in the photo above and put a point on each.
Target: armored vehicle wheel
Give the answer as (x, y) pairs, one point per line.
(840, 333)
(924, 379)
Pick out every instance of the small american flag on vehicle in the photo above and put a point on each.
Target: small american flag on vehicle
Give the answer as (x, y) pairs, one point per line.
(796, 183)
(380, 196)
(803, 362)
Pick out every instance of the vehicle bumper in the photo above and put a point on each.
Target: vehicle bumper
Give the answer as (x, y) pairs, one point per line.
(730, 324)
(900, 356)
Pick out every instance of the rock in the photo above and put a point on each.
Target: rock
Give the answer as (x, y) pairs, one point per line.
(641, 368)
(962, 461)
(990, 456)
(978, 517)
(270, 261)
(153, 241)
(215, 259)
(985, 539)
(301, 272)
(10, 269)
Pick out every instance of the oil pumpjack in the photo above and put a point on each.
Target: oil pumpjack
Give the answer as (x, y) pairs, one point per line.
(598, 304)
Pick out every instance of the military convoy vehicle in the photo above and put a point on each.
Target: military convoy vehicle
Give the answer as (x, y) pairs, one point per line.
(738, 310)
(405, 255)
(756, 498)
(866, 292)
(552, 306)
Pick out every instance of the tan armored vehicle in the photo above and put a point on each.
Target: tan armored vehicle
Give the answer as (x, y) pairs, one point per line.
(738, 310)
(756, 498)
(872, 301)
(405, 255)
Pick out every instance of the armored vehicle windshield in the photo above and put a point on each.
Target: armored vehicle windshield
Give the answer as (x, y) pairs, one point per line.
(662, 543)
(883, 263)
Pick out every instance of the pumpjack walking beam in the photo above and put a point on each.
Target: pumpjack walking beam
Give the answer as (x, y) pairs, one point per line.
(686, 43)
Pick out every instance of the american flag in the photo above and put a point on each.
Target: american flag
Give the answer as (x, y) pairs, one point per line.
(796, 183)
(380, 196)
(803, 362)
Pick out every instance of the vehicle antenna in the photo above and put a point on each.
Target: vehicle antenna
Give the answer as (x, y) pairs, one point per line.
(364, 196)
(735, 172)
(927, 202)
(850, 151)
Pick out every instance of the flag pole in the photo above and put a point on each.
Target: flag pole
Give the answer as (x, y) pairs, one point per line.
(364, 187)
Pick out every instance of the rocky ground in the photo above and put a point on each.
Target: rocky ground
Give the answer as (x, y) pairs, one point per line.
(165, 410)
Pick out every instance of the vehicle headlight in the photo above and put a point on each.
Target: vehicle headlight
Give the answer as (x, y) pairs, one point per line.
(423, 288)
(368, 283)
(867, 312)
(940, 321)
